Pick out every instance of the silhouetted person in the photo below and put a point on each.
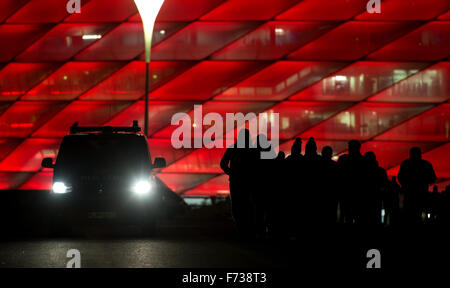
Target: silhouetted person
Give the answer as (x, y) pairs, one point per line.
(296, 150)
(263, 184)
(434, 207)
(276, 203)
(289, 204)
(391, 201)
(415, 176)
(327, 154)
(312, 199)
(329, 179)
(237, 162)
(445, 214)
(311, 150)
(353, 174)
(372, 195)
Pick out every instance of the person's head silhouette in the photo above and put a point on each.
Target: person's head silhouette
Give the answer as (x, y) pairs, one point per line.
(297, 146)
(281, 155)
(354, 147)
(311, 147)
(415, 153)
(327, 152)
(371, 157)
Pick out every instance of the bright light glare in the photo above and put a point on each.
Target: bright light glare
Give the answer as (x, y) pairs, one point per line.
(340, 78)
(59, 187)
(148, 9)
(90, 37)
(279, 31)
(142, 187)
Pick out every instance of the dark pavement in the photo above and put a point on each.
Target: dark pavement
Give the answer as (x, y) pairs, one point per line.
(147, 253)
(195, 247)
(180, 245)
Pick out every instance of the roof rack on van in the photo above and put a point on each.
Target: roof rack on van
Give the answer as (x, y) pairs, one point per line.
(105, 129)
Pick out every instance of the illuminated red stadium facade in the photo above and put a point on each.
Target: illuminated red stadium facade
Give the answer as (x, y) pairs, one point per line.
(329, 68)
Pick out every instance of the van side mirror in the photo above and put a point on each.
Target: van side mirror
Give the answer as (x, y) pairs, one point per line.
(159, 163)
(47, 163)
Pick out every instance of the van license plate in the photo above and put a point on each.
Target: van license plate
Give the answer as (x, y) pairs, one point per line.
(102, 215)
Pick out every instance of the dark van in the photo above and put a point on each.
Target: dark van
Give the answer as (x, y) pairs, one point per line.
(104, 175)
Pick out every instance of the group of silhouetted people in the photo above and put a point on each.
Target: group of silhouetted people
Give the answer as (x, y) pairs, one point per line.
(283, 195)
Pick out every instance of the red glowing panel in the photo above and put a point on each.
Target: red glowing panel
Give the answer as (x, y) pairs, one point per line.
(87, 113)
(273, 40)
(217, 186)
(126, 42)
(199, 40)
(7, 7)
(24, 117)
(104, 11)
(390, 154)
(17, 78)
(4, 106)
(429, 42)
(28, 155)
(324, 10)
(163, 148)
(429, 85)
(129, 82)
(220, 107)
(41, 11)
(182, 182)
(296, 117)
(63, 42)
(439, 158)
(407, 10)
(249, 10)
(365, 120)
(206, 80)
(39, 181)
(160, 114)
(352, 40)
(10, 180)
(280, 80)
(18, 38)
(8, 145)
(202, 160)
(445, 16)
(71, 80)
(442, 185)
(358, 81)
(433, 125)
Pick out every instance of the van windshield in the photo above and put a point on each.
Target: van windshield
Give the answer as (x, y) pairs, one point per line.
(99, 155)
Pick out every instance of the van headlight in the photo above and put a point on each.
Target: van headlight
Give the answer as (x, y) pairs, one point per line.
(59, 188)
(142, 187)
